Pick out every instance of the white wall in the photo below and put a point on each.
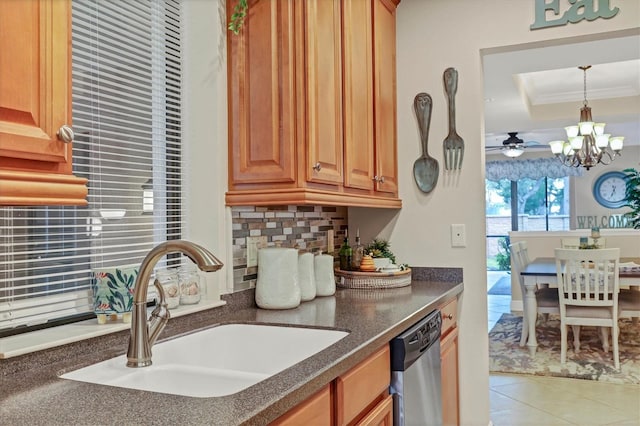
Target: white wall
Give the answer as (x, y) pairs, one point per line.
(205, 135)
(432, 35)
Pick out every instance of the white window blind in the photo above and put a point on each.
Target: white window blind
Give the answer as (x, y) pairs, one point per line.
(126, 74)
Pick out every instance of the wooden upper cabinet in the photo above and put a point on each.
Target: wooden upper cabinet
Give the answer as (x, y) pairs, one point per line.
(321, 83)
(35, 102)
(358, 94)
(384, 83)
(262, 97)
(302, 107)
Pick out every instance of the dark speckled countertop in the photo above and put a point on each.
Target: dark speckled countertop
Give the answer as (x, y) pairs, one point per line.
(32, 393)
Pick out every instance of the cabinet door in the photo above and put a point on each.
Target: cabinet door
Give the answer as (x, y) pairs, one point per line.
(322, 79)
(381, 415)
(362, 386)
(384, 80)
(449, 364)
(35, 92)
(261, 95)
(35, 102)
(358, 94)
(316, 411)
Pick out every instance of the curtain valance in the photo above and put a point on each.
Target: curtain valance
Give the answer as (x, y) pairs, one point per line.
(533, 169)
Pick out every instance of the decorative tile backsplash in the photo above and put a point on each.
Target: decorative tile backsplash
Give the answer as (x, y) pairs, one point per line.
(302, 227)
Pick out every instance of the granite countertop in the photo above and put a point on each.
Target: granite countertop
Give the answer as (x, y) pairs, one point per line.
(32, 393)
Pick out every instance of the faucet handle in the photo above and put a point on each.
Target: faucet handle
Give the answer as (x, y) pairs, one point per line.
(159, 316)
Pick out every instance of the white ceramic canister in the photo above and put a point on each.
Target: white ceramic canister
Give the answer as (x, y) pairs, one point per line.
(325, 280)
(306, 277)
(277, 285)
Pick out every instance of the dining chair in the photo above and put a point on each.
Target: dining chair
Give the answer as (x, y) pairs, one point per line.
(546, 298)
(574, 242)
(570, 243)
(588, 286)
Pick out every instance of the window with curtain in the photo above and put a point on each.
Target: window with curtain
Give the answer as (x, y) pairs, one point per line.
(126, 74)
(524, 195)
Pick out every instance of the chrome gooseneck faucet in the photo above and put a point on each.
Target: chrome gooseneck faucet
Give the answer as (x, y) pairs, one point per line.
(143, 334)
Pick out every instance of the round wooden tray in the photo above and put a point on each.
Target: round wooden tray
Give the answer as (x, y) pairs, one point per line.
(360, 279)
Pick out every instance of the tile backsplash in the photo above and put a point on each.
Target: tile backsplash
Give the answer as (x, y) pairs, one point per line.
(302, 227)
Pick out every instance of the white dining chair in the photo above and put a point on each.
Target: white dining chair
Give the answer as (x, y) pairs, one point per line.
(570, 243)
(546, 298)
(574, 242)
(588, 286)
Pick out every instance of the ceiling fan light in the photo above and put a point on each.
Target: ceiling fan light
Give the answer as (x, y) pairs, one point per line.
(556, 147)
(576, 142)
(512, 152)
(602, 140)
(598, 128)
(586, 127)
(616, 143)
(572, 131)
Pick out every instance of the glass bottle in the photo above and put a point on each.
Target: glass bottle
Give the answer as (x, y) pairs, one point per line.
(346, 253)
(169, 281)
(190, 289)
(358, 252)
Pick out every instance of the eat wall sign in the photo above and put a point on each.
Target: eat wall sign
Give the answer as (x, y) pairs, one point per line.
(574, 11)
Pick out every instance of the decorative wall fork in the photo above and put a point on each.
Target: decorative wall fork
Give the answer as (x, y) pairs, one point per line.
(453, 144)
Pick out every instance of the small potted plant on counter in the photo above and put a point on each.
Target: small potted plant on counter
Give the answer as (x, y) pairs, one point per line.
(381, 253)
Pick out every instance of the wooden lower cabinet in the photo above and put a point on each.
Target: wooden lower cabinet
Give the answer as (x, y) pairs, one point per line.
(362, 388)
(381, 415)
(314, 411)
(449, 364)
(358, 397)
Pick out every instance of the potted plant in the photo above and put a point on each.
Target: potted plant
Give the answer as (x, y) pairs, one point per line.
(632, 195)
(381, 253)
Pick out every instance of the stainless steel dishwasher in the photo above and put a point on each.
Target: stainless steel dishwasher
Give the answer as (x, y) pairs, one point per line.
(415, 374)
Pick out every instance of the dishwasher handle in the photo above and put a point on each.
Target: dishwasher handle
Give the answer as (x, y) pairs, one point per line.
(412, 343)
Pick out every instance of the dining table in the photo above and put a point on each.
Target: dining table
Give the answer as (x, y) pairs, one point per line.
(542, 271)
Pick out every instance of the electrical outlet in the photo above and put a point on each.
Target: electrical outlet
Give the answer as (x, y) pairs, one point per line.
(330, 241)
(458, 238)
(253, 244)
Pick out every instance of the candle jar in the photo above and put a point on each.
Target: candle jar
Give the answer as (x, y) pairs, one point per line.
(168, 279)
(190, 289)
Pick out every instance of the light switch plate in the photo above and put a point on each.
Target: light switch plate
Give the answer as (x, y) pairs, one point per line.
(458, 238)
(253, 244)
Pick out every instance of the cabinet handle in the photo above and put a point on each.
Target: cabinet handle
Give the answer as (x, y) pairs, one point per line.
(379, 179)
(450, 316)
(65, 134)
(317, 167)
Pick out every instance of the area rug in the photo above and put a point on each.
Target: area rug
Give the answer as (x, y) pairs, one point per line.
(502, 287)
(591, 363)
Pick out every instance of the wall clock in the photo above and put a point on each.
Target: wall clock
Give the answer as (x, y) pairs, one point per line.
(609, 190)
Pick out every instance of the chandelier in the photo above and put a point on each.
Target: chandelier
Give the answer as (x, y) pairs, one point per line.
(588, 144)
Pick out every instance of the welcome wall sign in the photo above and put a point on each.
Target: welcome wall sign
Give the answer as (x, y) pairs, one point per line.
(577, 11)
(610, 221)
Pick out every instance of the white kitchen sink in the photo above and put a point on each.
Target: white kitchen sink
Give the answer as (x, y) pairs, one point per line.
(217, 361)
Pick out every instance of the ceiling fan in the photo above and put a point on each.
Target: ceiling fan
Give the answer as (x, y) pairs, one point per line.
(513, 146)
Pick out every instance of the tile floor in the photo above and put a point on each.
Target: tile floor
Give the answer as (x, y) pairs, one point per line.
(545, 401)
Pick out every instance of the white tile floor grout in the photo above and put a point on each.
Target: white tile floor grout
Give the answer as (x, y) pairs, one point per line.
(520, 399)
